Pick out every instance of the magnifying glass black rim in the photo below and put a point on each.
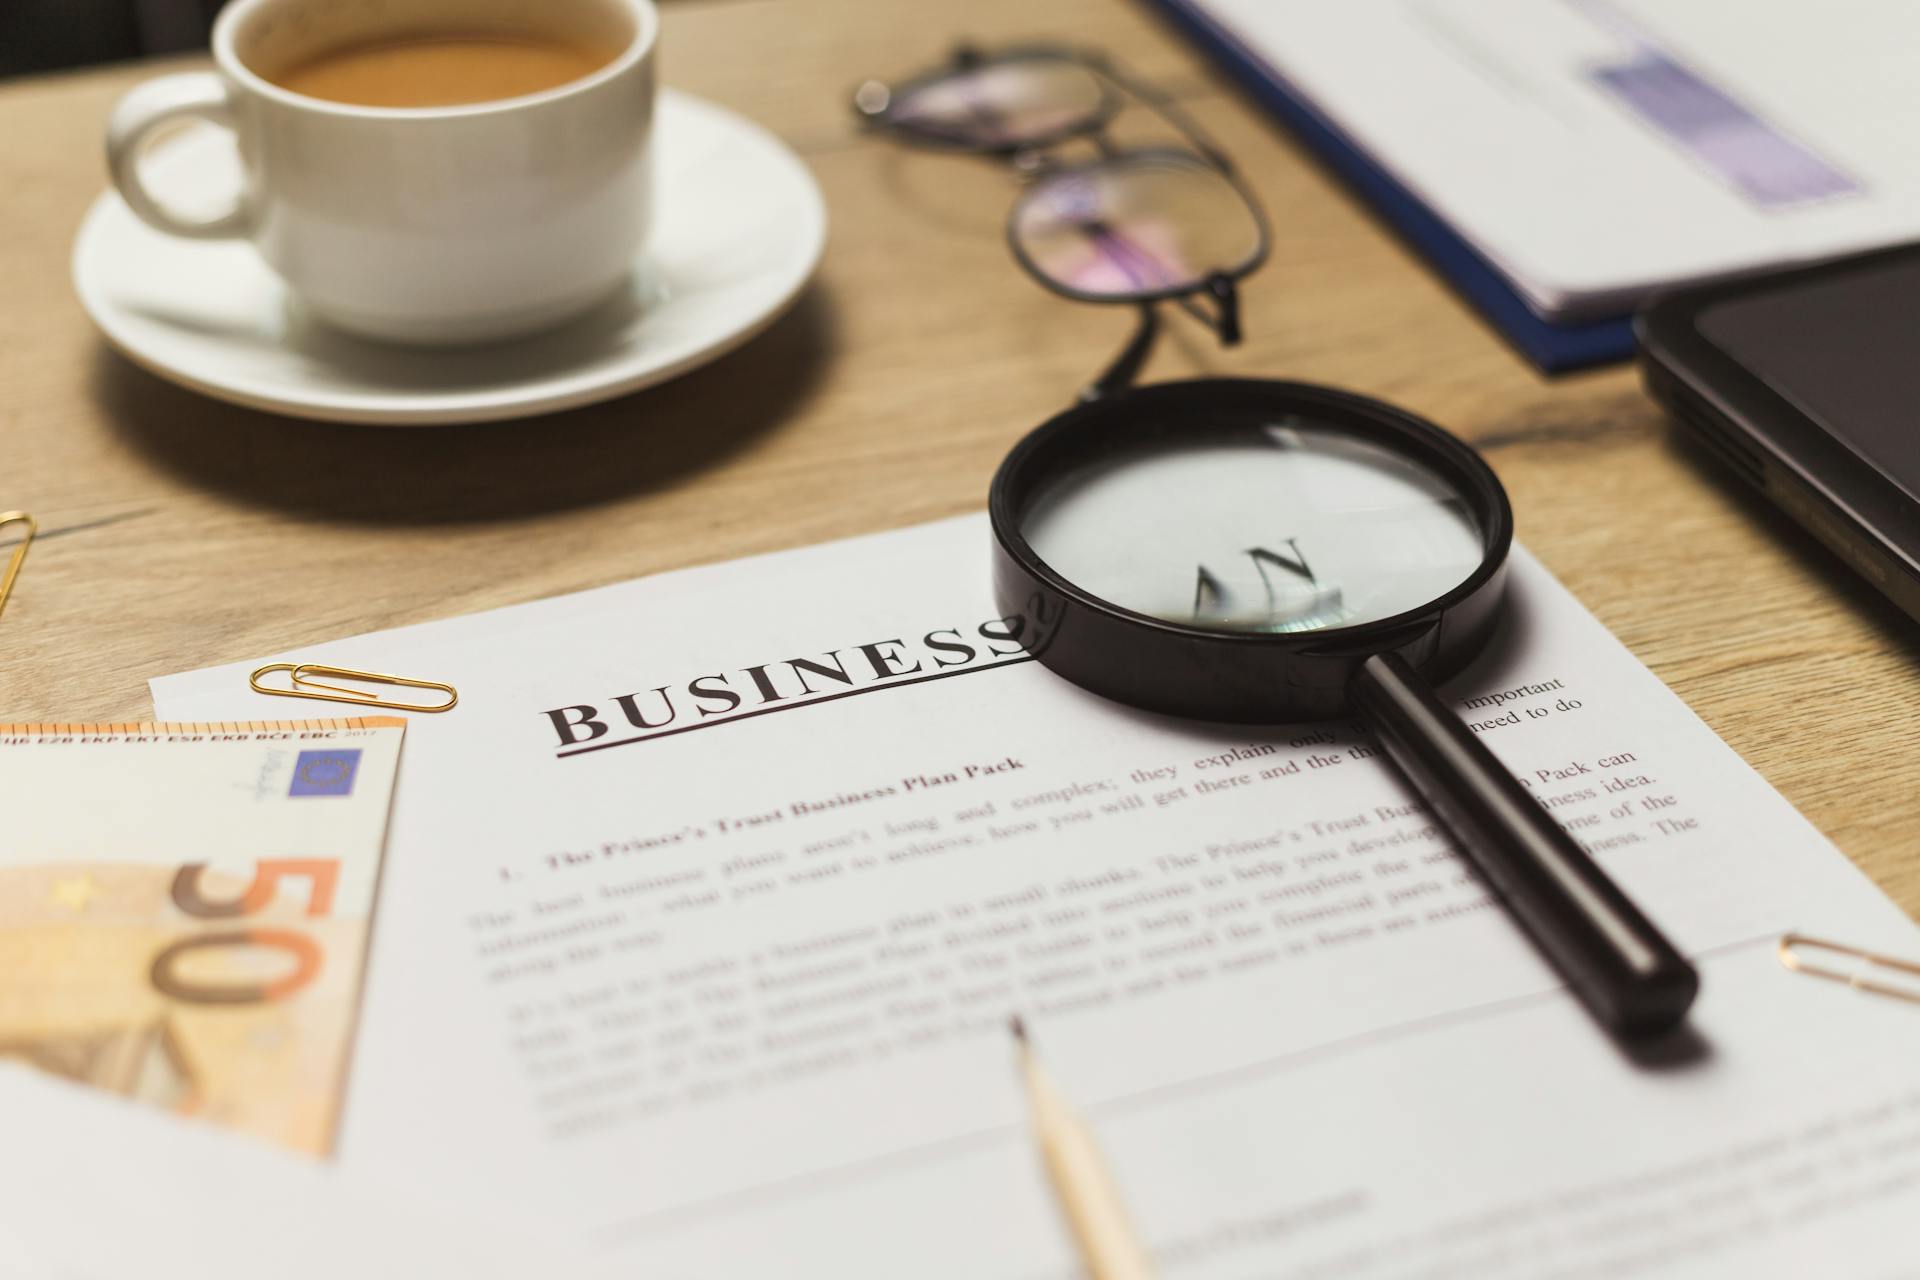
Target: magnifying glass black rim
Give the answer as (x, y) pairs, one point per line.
(1401, 432)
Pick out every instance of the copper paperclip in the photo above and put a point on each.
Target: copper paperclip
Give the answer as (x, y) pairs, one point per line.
(19, 556)
(1857, 975)
(299, 671)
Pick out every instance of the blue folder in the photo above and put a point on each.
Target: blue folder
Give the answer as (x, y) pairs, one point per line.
(1549, 346)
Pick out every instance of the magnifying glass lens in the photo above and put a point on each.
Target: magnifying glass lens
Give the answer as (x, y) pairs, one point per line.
(1273, 529)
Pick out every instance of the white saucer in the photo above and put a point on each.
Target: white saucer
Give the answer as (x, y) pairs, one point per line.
(739, 229)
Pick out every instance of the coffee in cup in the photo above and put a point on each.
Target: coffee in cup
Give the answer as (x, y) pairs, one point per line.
(428, 171)
(443, 69)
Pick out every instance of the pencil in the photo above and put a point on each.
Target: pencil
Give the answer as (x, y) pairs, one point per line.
(1080, 1178)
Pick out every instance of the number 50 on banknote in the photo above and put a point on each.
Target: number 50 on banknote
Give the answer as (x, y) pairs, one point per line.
(184, 911)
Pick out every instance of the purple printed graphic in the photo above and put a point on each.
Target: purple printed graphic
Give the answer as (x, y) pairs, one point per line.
(325, 773)
(1767, 167)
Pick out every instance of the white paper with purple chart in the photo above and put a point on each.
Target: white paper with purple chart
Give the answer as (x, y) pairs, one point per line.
(1595, 150)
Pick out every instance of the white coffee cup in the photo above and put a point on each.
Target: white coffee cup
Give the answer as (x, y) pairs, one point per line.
(432, 224)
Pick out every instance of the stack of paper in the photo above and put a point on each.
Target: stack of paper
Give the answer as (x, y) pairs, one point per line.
(1563, 159)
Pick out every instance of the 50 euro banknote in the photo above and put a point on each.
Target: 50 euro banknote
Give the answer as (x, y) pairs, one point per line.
(184, 911)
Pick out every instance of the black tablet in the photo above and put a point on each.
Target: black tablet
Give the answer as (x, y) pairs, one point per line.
(1807, 382)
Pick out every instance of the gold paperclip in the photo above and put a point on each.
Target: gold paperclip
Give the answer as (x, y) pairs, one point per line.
(299, 671)
(1857, 976)
(19, 553)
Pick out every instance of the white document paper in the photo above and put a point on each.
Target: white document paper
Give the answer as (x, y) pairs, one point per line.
(93, 1187)
(1596, 150)
(706, 909)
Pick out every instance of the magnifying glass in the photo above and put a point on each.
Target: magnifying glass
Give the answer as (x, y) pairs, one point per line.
(1275, 552)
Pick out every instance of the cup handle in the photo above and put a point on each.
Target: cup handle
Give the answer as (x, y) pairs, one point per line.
(194, 95)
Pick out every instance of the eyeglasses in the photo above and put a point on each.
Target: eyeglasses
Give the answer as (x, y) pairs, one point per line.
(1127, 224)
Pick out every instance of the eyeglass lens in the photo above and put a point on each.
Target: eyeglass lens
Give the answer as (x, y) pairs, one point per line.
(1005, 103)
(1140, 222)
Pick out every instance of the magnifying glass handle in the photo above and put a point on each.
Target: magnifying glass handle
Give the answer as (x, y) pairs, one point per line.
(1625, 971)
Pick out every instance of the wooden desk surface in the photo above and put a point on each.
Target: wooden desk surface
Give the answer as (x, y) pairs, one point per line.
(178, 532)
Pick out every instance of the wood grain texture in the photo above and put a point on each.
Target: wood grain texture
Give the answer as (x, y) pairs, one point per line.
(179, 532)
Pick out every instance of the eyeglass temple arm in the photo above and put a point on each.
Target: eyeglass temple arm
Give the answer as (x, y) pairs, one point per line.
(1164, 106)
(1224, 319)
(1126, 366)
(1183, 122)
